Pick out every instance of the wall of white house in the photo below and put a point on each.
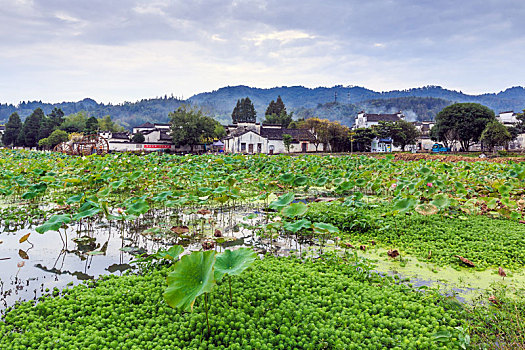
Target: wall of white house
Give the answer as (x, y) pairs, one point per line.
(251, 142)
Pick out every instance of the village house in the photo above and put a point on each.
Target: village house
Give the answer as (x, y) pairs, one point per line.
(424, 143)
(509, 119)
(251, 137)
(368, 120)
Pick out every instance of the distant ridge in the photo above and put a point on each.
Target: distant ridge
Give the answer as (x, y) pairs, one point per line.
(418, 103)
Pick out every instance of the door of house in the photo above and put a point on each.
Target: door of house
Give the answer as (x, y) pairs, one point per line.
(259, 147)
(304, 147)
(250, 148)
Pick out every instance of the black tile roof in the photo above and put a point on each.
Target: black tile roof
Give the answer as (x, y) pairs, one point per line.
(120, 135)
(146, 125)
(381, 117)
(297, 134)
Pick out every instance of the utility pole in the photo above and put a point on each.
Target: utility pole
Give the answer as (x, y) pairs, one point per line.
(335, 96)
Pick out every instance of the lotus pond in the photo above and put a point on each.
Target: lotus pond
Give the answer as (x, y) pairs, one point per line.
(352, 252)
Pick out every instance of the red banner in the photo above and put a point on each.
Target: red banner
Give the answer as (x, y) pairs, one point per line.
(157, 146)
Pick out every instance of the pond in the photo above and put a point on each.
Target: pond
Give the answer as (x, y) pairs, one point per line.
(34, 267)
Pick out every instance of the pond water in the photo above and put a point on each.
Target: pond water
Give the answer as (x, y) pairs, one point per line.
(32, 268)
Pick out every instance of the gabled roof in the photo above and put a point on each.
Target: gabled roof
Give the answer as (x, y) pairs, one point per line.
(120, 135)
(239, 132)
(381, 117)
(146, 125)
(297, 134)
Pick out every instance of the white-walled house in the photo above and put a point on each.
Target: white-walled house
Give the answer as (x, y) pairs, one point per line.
(367, 120)
(256, 138)
(424, 143)
(147, 127)
(507, 118)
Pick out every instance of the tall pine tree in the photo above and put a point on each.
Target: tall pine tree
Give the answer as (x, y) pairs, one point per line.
(31, 128)
(12, 130)
(244, 112)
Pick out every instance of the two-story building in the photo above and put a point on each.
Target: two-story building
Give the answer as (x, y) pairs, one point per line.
(249, 137)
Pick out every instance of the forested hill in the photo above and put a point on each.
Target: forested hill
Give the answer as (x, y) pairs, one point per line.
(223, 100)
(127, 114)
(417, 104)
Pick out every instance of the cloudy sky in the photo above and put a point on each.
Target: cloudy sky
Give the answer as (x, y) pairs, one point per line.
(124, 50)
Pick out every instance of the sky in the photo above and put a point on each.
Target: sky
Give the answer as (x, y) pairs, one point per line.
(126, 50)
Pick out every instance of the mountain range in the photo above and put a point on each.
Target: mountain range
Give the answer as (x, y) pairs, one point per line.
(335, 103)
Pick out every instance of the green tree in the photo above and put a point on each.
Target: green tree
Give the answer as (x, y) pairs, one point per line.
(403, 133)
(521, 121)
(44, 143)
(282, 119)
(276, 113)
(74, 123)
(12, 130)
(463, 122)
(337, 136)
(57, 117)
(189, 126)
(46, 128)
(138, 138)
(56, 137)
(362, 139)
(31, 128)
(495, 134)
(106, 124)
(319, 128)
(91, 126)
(244, 112)
(276, 107)
(287, 140)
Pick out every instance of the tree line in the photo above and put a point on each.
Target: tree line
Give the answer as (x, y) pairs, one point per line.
(469, 123)
(46, 131)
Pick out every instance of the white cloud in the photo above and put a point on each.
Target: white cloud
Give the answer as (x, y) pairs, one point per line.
(284, 37)
(129, 49)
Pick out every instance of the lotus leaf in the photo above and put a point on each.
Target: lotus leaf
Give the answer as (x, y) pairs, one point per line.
(294, 209)
(233, 262)
(193, 275)
(54, 223)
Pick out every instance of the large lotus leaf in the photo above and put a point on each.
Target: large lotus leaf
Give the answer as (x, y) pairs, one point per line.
(441, 200)
(233, 262)
(172, 253)
(300, 181)
(294, 209)
(425, 170)
(54, 223)
(282, 201)
(87, 213)
(298, 225)
(75, 198)
(139, 207)
(321, 181)
(29, 195)
(163, 196)
(403, 205)
(505, 189)
(325, 228)
(287, 178)
(193, 276)
(361, 182)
